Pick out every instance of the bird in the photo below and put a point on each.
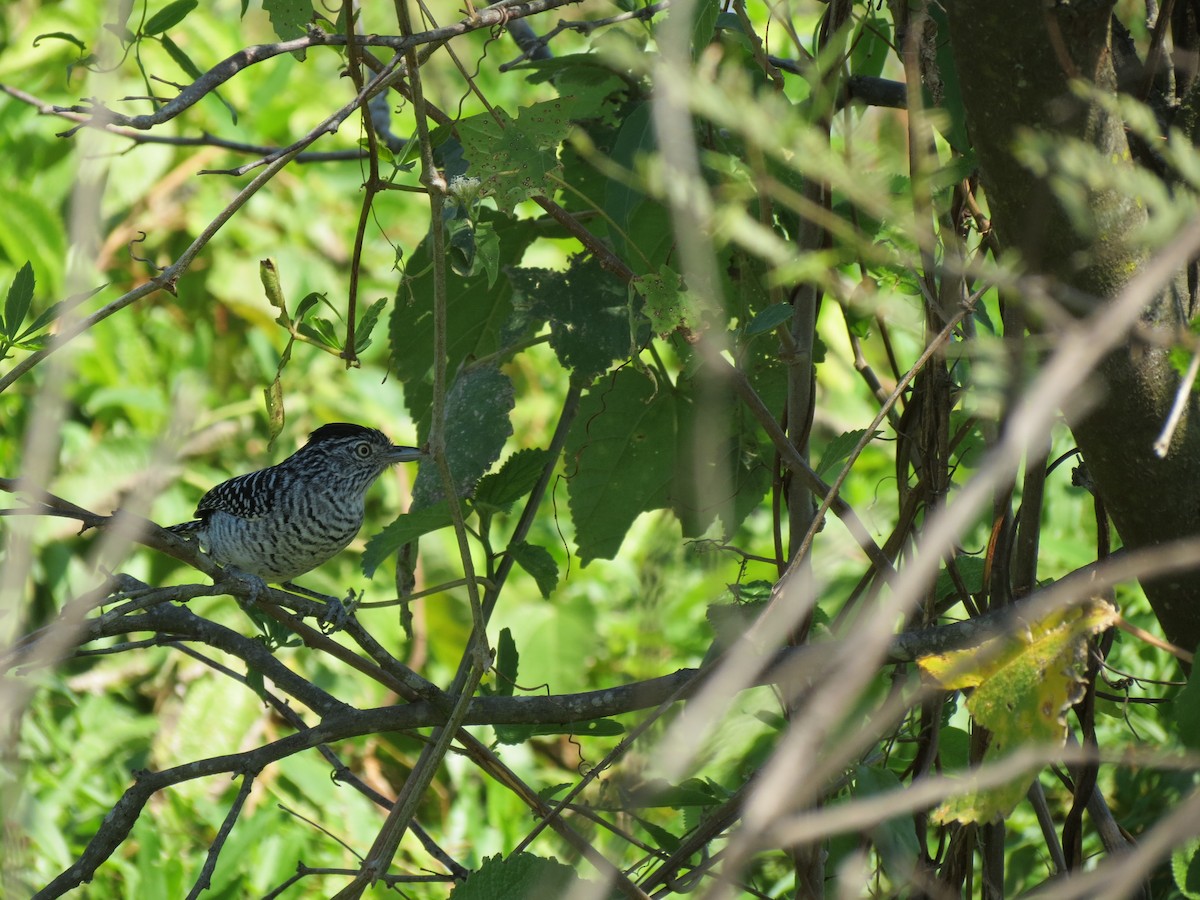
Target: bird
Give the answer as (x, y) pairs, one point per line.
(278, 523)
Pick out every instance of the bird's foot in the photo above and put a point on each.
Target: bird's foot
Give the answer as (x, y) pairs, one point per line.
(252, 586)
(337, 612)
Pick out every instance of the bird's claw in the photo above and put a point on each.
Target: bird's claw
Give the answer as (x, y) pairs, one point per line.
(337, 612)
(252, 585)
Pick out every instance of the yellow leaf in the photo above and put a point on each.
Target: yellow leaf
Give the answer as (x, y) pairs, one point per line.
(1023, 686)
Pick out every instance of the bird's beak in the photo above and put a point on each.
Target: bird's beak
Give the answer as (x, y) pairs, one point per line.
(405, 454)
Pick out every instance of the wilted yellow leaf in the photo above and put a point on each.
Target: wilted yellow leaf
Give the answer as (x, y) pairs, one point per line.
(1023, 684)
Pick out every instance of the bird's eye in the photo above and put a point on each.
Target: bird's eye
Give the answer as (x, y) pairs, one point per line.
(363, 449)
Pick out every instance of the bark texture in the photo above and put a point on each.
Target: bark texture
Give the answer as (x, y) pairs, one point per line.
(1016, 62)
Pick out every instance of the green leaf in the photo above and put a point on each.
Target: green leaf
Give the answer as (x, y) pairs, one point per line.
(290, 19)
(539, 563)
(322, 331)
(404, 530)
(588, 312)
(498, 491)
(704, 23)
(668, 304)
(477, 314)
(170, 15)
(1185, 869)
(769, 319)
(269, 276)
(838, 451)
(522, 875)
(477, 425)
(31, 229)
(896, 838)
(460, 249)
(306, 305)
(872, 46)
(970, 569)
(18, 302)
(1184, 713)
(643, 235)
(623, 447)
(61, 36)
(507, 662)
(366, 325)
(517, 158)
(273, 395)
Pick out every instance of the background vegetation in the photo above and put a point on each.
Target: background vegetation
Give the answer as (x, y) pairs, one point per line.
(752, 344)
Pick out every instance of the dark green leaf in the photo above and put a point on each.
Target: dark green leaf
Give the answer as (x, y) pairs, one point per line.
(769, 319)
(970, 569)
(171, 14)
(51, 312)
(623, 448)
(366, 325)
(704, 22)
(404, 530)
(507, 662)
(476, 315)
(663, 838)
(322, 331)
(498, 491)
(588, 311)
(1184, 713)
(538, 562)
(306, 305)
(61, 36)
(19, 300)
(460, 248)
(477, 425)
(838, 451)
(522, 875)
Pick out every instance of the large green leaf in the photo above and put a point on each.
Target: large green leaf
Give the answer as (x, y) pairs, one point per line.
(620, 459)
(521, 875)
(477, 316)
(477, 425)
(517, 158)
(588, 312)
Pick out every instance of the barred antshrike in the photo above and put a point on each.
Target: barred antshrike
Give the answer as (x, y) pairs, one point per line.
(280, 522)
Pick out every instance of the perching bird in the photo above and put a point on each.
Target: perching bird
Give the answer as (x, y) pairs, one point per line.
(280, 522)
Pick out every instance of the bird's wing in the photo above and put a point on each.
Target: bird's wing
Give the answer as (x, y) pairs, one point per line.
(248, 496)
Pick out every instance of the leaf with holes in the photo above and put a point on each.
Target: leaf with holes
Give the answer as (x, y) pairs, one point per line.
(1022, 686)
(517, 158)
(477, 425)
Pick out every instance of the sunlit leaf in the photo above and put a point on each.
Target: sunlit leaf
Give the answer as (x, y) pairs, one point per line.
(1022, 685)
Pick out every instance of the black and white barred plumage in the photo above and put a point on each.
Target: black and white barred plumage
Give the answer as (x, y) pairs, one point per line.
(285, 520)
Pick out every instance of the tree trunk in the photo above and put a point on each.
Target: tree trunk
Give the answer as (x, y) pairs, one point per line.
(1015, 63)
